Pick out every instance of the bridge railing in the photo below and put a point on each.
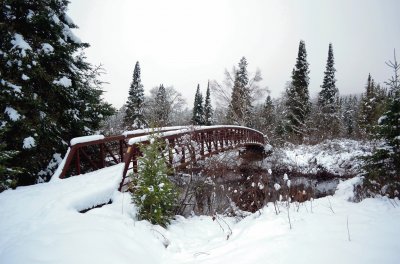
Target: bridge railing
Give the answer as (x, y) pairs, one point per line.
(184, 145)
(86, 154)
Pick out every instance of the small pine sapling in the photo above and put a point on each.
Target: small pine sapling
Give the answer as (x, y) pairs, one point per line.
(153, 193)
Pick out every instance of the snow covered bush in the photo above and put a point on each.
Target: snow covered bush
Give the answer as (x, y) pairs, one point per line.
(7, 176)
(153, 193)
(382, 169)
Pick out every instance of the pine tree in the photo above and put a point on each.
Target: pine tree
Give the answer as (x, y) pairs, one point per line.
(350, 110)
(268, 118)
(298, 99)
(208, 110)
(134, 106)
(383, 167)
(328, 117)
(153, 193)
(8, 176)
(162, 107)
(372, 105)
(240, 108)
(48, 92)
(329, 91)
(198, 111)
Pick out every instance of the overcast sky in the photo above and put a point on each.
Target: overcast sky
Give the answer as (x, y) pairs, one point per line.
(183, 42)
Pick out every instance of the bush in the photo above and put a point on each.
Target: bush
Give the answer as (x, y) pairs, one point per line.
(382, 170)
(153, 193)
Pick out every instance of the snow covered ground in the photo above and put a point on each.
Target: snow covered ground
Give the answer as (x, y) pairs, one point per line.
(42, 224)
(339, 157)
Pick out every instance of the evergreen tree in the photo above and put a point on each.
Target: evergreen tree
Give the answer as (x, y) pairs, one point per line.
(134, 106)
(298, 99)
(350, 110)
(169, 104)
(372, 105)
(162, 107)
(8, 176)
(268, 118)
(240, 108)
(198, 111)
(48, 92)
(208, 110)
(329, 92)
(383, 167)
(153, 193)
(328, 117)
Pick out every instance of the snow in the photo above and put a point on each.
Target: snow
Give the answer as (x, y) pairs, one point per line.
(149, 130)
(20, 43)
(160, 129)
(68, 20)
(24, 77)
(41, 224)
(47, 48)
(169, 131)
(55, 19)
(69, 35)
(61, 164)
(29, 143)
(63, 81)
(345, 188)
(136, 140)
(339, 157)
(381, 119)
(16, 88)
(12, 113)
(30, 15)
(85, 139)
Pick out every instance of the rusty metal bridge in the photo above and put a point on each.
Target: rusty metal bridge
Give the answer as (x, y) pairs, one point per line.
(184, 145)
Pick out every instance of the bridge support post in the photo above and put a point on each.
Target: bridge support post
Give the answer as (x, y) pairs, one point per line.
(102, 162)
(171, 146)
(201, 137)
(209, 141)
(78, 162)
(215, 140)
(121, 150)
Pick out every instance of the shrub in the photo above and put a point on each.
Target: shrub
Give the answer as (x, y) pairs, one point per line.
(153, 193)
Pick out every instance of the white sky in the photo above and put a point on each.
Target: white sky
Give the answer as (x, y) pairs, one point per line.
(184, 42)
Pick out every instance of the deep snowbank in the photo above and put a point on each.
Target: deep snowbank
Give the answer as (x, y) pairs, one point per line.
(41, 224)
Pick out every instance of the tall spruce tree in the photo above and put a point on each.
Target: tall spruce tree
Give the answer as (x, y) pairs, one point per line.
(328, 105)
(134, 117)
(382, 169)
(329, 92)
(298, 98)
(198, 111)
(208, 110)
(162, 107)
(48, 92)
(240, 108)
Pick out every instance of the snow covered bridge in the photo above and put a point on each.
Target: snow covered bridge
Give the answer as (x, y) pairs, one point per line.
(184, 145)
